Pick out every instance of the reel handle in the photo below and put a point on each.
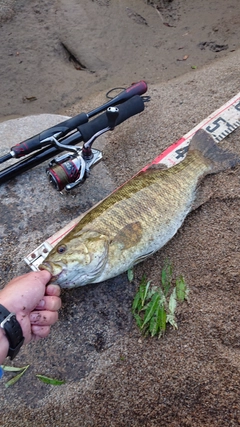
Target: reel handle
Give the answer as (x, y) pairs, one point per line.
(128, 109)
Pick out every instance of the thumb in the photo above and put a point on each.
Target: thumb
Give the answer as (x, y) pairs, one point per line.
(42, 276)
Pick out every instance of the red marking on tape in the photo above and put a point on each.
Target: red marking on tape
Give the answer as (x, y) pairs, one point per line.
(61, 235)
(164, 153)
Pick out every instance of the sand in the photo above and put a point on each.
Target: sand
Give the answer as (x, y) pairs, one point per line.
(114, 376)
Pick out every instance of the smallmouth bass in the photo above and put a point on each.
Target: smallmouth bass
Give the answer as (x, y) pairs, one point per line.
(136, 220)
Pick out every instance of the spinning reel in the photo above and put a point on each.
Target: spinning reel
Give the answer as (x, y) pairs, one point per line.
(70, 169)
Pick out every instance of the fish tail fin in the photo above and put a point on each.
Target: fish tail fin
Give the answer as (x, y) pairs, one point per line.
(220, 159)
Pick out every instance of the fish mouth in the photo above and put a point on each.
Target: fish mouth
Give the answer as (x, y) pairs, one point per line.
(46, 266)
(50, 268)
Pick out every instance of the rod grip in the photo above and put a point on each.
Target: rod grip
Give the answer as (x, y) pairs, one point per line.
(128, 109)
(35, 143)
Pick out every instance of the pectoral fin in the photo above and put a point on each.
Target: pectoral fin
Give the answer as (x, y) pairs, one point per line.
(142, 258)
(130, 235)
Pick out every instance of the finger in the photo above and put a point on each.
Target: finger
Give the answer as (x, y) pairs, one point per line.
(49, 303)
(43, 318)
(40, 331)
(34, 276)
(43, 276)
(53, 290)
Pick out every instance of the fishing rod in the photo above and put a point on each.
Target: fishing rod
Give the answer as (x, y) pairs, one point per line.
(72, 168)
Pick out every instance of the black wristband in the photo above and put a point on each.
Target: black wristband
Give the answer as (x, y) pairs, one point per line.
(13, 330)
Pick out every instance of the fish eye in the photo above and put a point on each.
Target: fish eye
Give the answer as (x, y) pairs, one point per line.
(61, 249)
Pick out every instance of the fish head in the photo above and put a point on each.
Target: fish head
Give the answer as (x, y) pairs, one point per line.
(78, 259)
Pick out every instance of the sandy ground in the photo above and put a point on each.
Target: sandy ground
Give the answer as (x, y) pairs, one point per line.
(54, 54)
(113, 376)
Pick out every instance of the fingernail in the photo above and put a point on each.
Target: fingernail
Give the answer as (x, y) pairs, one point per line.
(34, 317)
(37, 328)
(41, 304)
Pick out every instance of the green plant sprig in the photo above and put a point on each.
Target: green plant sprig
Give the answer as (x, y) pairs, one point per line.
(155, 305)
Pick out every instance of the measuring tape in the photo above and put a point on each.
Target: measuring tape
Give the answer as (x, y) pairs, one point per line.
(219, 125)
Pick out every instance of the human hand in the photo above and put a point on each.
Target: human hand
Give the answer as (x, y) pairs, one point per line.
(35, 304)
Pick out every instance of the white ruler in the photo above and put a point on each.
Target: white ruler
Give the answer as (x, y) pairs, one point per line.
(219, 125)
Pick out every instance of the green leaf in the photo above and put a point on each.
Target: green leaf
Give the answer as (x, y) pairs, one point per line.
(153, 326)
(152, 290)
(12, 368)
(135, 305)
(145, 293)
(161, 318)
(141, 295)
(138, 320)
(142, 290)
(130, 275)
(151, 308)
(172, 302)
(172, 321)
(157, 323)
(181, 289)
(16, 378)
(51, 381)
